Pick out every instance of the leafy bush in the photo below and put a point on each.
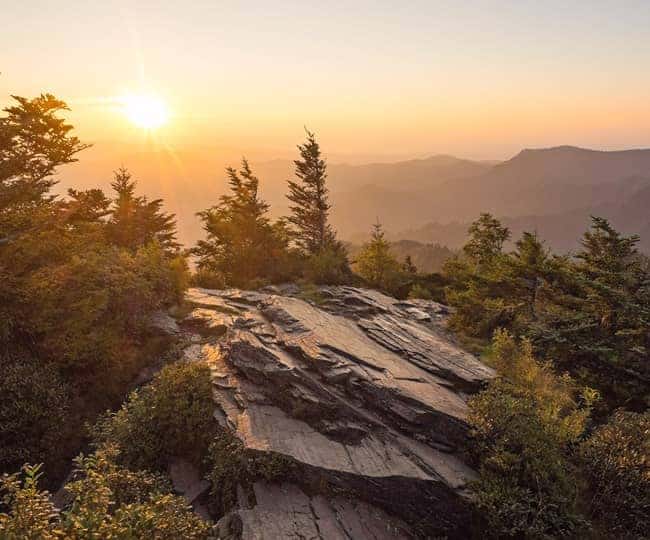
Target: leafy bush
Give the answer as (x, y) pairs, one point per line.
(419, 291)
(523, 426)
(328, 267)
(34, 405)
(172, 416)
(616, 459)
(108, 502)
(208, 279)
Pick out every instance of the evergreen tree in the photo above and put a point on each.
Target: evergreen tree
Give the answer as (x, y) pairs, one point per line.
(479, 286)
(135, 221)
(309, 197)
(597, 316)
(408, 266)
(34, 142)
(487, 237)
(242, 244)
(528, 267)
(86, 207)
(376, 264)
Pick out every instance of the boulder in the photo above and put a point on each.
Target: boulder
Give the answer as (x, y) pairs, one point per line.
(360, 396)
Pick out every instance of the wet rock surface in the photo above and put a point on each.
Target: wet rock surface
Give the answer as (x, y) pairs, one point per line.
(363, 394)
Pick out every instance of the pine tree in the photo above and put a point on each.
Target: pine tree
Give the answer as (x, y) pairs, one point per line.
(135, 221)
(309, 195)
(409, 266)
(86, 206)
(376, 264)
(34, 142)
(528, 268)
(597, 314)
(479, 287)
(242, 244)
(487, 237)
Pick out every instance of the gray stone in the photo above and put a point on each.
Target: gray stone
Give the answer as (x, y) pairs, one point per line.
(363, 393)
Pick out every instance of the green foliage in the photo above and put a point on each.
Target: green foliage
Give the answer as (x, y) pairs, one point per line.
(34, 405)
(242, 244)
(171, 416)
(589, 314)
(232, 466)
(419, 291)
(597, 316)
(208, 279)
(329, 266)
(135, 221)
(309, 197)
(408, 266)
(479, 288)
(34, 142)
(523, 427)
(487, 236)
(109, 502)
(376, 264)
(74, 295)
(616, 459)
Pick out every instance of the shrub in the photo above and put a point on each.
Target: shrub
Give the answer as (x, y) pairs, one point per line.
(172, 416)
(208, 279)
(523, 426)
(419, 291)
(34, 405)
(616, 459)
(108, 502)
(328, 267)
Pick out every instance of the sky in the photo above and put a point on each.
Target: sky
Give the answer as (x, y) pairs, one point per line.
(376, 80)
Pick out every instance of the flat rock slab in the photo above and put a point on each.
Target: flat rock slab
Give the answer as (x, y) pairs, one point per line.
(363, 392)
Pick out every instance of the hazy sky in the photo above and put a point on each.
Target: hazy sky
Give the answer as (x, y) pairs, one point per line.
(479, 79)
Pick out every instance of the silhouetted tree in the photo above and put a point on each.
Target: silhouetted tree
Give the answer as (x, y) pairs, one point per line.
(309, 195)
(135, 221)
(34, 141)
(408, 266)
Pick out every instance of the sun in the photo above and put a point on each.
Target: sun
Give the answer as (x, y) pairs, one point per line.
(145, 110)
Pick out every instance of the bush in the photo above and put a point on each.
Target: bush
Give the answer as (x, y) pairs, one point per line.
(208, 279)
(34, 405)
(419, 291)
(616, 459)
(328, 267)
(523, 427)
(170, 417)
(108, 502)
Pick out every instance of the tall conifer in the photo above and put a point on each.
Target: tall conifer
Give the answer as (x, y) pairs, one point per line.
(309, 195)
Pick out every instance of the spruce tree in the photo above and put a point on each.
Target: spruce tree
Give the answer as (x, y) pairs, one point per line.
(309, 197)
(136, 221)
(242, 244)
(487, 237)
(376, 264)
(34, 142)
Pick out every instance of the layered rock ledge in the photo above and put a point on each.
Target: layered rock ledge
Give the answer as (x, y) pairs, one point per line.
(360, 397)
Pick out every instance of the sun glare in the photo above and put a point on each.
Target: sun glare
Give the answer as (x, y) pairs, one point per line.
(145, 111)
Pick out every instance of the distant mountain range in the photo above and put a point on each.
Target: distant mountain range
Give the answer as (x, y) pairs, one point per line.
(552, 191)
(430, 200)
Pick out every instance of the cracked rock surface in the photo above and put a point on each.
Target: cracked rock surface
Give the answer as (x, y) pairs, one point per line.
(365, 395)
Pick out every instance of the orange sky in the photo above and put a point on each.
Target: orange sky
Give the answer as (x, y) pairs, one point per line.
(375, 81)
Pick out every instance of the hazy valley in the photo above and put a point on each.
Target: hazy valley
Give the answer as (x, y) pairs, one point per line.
(552, 191)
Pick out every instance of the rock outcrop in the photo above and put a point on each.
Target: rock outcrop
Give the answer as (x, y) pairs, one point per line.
(358, 400)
